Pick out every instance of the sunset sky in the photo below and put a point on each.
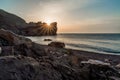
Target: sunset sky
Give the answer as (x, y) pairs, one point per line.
(73, 16)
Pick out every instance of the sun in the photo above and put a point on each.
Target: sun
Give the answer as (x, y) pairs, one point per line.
(48, 21)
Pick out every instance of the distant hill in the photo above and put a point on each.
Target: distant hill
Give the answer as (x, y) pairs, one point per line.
(19, 26)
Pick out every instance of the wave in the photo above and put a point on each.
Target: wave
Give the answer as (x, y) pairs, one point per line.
(102, 43)
(93, 48)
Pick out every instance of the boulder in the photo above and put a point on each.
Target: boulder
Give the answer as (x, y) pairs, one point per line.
(18, 68)
(47, 39)
(100, 70)
(57, 44)
(12, 39)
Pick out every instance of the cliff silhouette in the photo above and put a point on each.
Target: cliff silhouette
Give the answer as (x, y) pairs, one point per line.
(19, 26)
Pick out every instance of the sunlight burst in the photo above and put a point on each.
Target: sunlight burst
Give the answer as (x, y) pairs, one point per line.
(48, 21)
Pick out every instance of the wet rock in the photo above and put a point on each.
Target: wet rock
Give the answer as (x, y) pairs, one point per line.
(47, 39)
(96, 62)
(57, 44)
(118, 66)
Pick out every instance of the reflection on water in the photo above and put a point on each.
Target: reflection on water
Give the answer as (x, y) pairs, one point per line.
(102, 43)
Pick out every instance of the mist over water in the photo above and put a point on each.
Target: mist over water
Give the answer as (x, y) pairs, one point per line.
(101, 43)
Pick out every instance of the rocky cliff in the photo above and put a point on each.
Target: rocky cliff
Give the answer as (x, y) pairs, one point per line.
(18, 25)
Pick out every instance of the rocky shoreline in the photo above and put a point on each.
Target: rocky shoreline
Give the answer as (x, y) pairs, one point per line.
(22, 59)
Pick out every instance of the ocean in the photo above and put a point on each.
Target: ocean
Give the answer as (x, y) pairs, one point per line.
(100, 43)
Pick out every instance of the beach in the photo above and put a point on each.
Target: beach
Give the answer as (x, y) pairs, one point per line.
(86, 55)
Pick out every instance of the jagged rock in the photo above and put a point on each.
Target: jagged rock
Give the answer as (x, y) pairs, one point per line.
(13, 39)
(99, 70)
(57, 44)
(13, 44)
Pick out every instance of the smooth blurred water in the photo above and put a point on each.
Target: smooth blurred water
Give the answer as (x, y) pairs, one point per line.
(102, 43)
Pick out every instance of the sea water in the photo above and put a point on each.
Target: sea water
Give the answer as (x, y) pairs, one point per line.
(100, 43)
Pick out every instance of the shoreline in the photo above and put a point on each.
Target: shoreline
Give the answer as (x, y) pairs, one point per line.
(108, 44)
(113, 59)
(97, 52)
(98, 56)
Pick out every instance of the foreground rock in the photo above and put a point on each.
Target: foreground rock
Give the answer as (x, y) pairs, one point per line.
(102, 71)
(18, 68)
(18, 25)
(57, 44)
(8, 39)
(21, 59)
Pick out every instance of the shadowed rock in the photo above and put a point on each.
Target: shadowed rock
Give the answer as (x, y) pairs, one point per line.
(40, 29)
(12, 39)
(18, 68)
(57, 44)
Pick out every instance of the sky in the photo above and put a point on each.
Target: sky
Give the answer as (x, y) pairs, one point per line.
(72, 16)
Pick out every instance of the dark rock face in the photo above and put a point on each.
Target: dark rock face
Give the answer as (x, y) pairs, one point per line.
(13, 39)
(40, 29)
(31, 61)
(17, 25)
(102, 70)
(57, 44)
(11, 22)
